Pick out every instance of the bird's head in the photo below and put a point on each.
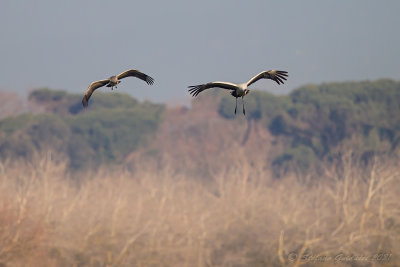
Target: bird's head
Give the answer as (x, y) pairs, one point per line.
(246, 91)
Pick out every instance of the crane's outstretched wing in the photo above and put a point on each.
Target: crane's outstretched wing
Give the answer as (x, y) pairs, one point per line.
(137, 74)
(276, 75)
(92, 87)
(197, 89)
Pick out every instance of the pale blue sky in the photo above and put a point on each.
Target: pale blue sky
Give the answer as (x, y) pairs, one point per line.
(68, 44)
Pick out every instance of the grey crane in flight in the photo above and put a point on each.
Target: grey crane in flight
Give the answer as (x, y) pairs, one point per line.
(240, 90)
(113, 81)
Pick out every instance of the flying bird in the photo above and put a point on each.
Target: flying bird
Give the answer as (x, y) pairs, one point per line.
(113, 81)
(240, 90)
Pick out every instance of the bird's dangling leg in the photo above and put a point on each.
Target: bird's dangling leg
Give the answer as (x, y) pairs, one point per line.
(244, 111)
(236, 105)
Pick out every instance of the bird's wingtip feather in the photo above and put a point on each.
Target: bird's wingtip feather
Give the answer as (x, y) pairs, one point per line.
(84, 102)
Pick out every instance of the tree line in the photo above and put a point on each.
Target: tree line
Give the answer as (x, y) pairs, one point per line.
(313, 123)
(113, 126)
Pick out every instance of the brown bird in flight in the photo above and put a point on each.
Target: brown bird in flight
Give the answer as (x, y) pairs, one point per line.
(114, 81)
(240, 90)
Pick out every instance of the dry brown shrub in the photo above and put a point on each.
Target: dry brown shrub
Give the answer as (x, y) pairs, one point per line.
(160, 217)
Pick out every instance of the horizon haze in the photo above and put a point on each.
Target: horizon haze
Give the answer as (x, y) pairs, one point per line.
(67, 45)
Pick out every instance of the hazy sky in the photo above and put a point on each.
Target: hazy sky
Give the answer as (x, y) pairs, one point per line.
(68, 44)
